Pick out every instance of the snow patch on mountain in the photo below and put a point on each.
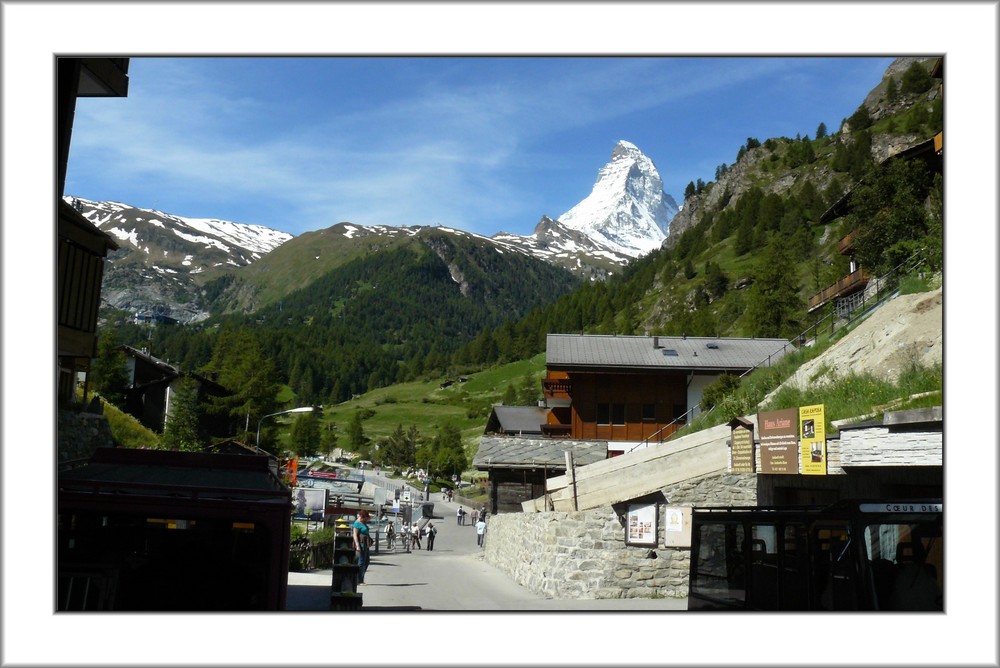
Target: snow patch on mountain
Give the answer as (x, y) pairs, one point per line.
(627, 209)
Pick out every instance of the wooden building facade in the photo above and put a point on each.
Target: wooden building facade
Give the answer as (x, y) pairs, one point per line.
(636, 390)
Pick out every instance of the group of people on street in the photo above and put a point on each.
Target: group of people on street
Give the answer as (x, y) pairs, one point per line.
(479, 519)
(363, 539)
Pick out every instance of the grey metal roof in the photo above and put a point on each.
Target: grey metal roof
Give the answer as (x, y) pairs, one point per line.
(647, 352)
(514, 452)
(521, 419)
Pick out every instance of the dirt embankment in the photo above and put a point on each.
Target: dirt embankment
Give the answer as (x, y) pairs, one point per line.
(904, 331)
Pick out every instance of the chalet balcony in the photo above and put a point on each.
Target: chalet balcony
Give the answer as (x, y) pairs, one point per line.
(556, 430)
(847, 285)
(563, 387)
(846, 245)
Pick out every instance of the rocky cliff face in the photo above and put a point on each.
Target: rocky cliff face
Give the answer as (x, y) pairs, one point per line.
(748, 171)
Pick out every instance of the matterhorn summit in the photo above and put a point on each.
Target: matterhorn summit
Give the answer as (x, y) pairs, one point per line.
(627, 210)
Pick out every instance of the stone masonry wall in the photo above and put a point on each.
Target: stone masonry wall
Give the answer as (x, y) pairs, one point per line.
(81, 433)
(580, 555)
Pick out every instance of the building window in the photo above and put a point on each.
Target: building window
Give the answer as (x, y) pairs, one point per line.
(649, 412)
(679, 413)
(618, 414)
(603, 413)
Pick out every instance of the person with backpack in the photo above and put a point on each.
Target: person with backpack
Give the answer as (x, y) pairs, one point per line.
(461, 516)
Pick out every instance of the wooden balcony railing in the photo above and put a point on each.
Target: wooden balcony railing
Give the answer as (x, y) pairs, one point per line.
(848, 284)
(553, 387)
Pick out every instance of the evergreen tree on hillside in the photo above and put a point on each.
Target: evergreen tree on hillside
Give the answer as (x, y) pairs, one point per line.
(891, 90)
(821, 130)
(916, 79)
(860, 119)
(773, 302)
(239, 365)
(449, 454)
(305, 435)
(357, 441)
(181, 431)
(108, 373)
(888, 212)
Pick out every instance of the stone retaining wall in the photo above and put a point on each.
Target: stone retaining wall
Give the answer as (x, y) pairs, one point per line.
(81, 433)
(583, 554)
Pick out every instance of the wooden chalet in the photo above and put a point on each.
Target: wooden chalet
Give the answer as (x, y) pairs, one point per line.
(635, 390)
(517, 467)
(152, 383)
(517, 420)
(81, 247)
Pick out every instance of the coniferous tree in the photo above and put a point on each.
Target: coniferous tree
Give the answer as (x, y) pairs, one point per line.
(860, 119)
(181, 430)
(821, 130)
(305, 435)
(916, 79)
(108, 373)
(239, 365)
(891, 90)
(357, 441)
(773, 301)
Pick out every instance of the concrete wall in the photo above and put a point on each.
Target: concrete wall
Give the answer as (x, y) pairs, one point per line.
(583, 554)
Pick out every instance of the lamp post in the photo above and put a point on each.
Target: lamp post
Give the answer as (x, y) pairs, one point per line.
(301, 409)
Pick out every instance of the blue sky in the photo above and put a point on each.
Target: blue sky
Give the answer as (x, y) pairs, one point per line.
(477, 143)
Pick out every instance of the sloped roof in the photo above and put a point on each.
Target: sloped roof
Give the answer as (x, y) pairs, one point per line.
(566, 351)
(518, 419)
(514, 452)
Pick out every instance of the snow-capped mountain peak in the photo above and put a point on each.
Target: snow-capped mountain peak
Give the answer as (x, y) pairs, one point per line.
(627, 209)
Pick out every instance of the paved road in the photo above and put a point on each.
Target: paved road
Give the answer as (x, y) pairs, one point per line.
(453, 576)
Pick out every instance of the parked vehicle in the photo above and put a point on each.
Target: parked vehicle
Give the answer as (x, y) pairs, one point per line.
(853, 555)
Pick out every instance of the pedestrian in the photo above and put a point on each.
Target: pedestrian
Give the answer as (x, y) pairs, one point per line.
(480, 532)
(362, 541)
(461, 515)
(416, 535)
(482, 513)
(431, 532)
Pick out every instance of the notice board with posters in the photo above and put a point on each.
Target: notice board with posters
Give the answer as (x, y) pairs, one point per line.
(778, 432)
(677, 526)
(812, 439)
(640, 524)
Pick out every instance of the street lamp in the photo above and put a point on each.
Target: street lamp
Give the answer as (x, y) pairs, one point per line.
(301, 409)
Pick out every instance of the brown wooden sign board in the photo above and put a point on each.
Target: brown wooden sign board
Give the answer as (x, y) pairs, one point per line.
(779, 440)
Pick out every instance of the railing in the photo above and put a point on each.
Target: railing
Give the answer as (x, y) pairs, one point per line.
(552, 386)
(304, 555)
(886, 287)
(852, 280)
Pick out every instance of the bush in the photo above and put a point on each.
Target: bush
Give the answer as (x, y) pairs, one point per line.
(725, 385)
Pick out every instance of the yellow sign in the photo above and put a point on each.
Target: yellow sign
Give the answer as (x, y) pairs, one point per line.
(812, 439)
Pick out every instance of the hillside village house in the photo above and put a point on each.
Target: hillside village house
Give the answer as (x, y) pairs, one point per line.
(851, 290)
(81, 246)
(633, 391)
(605, 396)
(151, 385)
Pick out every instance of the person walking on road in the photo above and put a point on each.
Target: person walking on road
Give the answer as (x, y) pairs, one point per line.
(361, 543)
(461, 516)
(480, 532)
(416, 535)
(431, 532)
